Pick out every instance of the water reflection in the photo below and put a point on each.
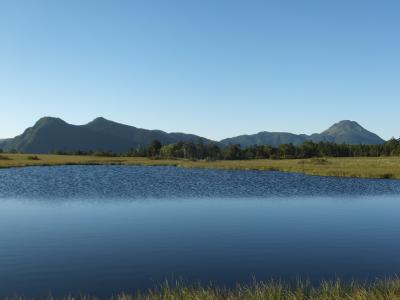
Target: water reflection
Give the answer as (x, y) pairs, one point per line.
(102, 230)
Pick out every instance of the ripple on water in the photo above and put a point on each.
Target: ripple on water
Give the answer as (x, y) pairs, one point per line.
(171, 182)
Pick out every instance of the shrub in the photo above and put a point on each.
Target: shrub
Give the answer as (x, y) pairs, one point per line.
(33, 157)
(104, 154)
(319, 161)
(387, 176)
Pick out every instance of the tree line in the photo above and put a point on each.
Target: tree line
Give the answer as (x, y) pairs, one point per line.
(213, 151)
(308, 149)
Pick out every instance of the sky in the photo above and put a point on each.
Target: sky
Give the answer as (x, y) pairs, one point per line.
(216, 68)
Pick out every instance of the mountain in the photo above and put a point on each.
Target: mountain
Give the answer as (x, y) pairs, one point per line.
(348, 132)
(265, 138)
(53, 134)
(2, 143)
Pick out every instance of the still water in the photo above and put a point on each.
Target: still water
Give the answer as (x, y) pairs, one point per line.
(105, 229)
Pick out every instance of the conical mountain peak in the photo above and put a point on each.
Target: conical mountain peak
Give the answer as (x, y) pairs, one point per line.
(346, 131)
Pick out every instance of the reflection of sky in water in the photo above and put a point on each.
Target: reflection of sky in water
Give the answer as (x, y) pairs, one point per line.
(186, 224)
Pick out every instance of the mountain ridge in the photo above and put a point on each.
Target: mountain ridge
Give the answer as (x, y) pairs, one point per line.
(343, 132)
(50, 134)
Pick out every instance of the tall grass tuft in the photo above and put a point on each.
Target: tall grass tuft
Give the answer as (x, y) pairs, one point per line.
(273, 290)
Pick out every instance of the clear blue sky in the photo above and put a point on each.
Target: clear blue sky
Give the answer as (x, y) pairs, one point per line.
(209, 67)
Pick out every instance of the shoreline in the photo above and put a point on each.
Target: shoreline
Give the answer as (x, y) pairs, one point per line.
(357, 167)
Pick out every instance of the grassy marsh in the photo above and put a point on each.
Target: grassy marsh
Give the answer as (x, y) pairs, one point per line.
(363, 167)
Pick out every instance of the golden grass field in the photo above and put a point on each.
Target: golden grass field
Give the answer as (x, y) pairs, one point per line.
(363, 167)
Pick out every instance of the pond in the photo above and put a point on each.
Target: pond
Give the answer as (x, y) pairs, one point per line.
(101, 230)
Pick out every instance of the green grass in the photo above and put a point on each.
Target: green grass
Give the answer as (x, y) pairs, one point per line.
(364, 167)
(328, 290)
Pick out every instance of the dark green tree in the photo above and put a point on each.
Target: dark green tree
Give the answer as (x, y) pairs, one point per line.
(213, 152)
(154, 148)
(308, 149)
(189, 150)
(287, 151)
(232, 152)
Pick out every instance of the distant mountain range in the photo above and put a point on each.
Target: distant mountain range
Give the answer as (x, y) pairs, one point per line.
(53, 134)
(348, 132)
